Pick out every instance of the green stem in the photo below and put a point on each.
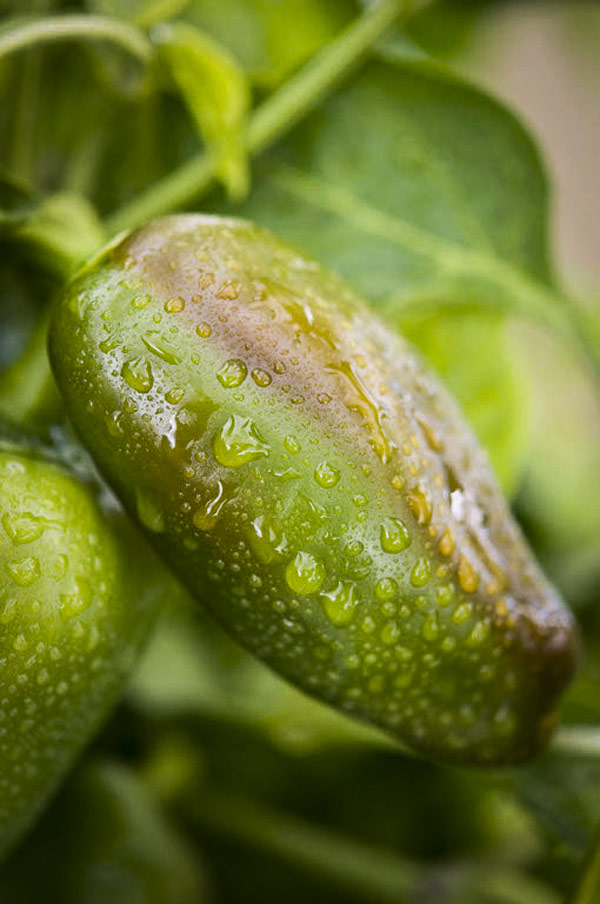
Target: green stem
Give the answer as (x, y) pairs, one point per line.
(22, 34)
(273, 118)
(358, 868)
(345, 863)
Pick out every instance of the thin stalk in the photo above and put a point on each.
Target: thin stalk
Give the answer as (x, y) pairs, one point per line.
(22, 34)
(271, 120)
(343, 862)
(359, 868)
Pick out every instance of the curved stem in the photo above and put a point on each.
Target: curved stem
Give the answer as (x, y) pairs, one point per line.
(274, 117)
(21, 34)
(359, 868)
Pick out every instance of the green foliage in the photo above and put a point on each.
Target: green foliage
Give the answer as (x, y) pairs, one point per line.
(430, 198)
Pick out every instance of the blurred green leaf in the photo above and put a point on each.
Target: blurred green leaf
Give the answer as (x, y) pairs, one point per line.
(18, 311)
(105, 839)
(443, 28)
(560, 498)
(190, 666)
(269, 37)
(62, 232)
(216, 92)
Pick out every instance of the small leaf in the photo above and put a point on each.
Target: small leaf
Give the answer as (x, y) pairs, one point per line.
(216, 92)
(61, 233)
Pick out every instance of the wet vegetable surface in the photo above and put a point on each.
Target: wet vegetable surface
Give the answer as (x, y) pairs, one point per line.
(314, 486)
(74, 609)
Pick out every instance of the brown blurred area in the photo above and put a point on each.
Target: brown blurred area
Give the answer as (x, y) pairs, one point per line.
(543, 58)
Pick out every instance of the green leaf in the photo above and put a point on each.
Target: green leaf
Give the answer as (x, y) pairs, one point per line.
(444, 27)
(107, 839)
(216, 92)
(62, 232)
(425, 194)
(272, 43)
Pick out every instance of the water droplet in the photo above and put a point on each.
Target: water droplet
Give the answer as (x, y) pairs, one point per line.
(304, 574)
(340, 603)
(479, 634)
(72, 604)
(368, 624)
(420, 505)
(445, 595)
(111, 342)
(8, 611)
(467, 578)
(386, 589)
(353, 548)
(24, 572)
(239, 442)
(174, 396)
(59, 570)
(361, 401)
(149, 512)
(204, 329)
(138, 374)
(232, 373)
(292, 444)
(261, 377)
(431, 626)
(446, 544)
(390, 633)
(174, 305)
(229, 291)
(462, 612)
(421, 573)
(267, 539)
(139, 302)
(326, 475)
(160, 347)
(22, 527)
(206, 517)
(20, 643)
(394, 536)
